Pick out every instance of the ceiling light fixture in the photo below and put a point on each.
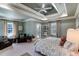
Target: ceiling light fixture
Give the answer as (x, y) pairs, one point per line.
(44, 8)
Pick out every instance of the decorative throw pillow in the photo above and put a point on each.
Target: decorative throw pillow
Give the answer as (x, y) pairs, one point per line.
(67, 44)
(63, 40)
(70, 46)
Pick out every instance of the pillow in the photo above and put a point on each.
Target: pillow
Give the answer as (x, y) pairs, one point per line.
(67, 44)
(63, 40)
(70, 46)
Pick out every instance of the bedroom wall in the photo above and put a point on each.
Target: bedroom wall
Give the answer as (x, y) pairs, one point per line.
(1, 28)
(66, 24)
(20, 24)
(63, 25)
(30, 27)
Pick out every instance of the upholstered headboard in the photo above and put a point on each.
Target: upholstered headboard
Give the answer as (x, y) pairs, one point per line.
(73, 35)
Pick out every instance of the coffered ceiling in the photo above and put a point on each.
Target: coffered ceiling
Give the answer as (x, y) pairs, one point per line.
(71, 8)
(39, 11)
(38, 7)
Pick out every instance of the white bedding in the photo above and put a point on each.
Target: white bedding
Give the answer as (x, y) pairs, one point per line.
(50, 47)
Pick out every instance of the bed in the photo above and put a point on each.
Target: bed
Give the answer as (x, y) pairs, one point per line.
(50, 47)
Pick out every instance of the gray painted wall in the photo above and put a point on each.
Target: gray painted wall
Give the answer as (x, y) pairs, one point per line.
(20, 24)
(66, 24)
(30, 27)
(1, 28)
(63, 26)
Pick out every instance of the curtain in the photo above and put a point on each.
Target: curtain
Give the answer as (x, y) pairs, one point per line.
(5, 28)
(15, 24)
(54, 28)
(15, 27)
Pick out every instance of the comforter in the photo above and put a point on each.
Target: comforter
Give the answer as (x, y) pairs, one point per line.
(50, 47)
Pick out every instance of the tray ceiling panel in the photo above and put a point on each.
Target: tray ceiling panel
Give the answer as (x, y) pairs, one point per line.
(43, 8)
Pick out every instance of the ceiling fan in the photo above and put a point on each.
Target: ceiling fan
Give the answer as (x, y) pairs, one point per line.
(43, 8)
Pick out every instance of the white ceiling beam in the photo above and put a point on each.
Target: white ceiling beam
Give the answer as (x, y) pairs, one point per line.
(61, 18)
(19, 11)
(29, 9)
(55, 7)
(61, 8)
(27, 13)
(66, 18)
(53, 15)
(32, 19)
(64, 11)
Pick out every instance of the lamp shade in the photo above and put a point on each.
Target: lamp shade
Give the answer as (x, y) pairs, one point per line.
(73, 35)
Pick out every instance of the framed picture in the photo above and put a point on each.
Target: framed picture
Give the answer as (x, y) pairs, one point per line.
(20, 28)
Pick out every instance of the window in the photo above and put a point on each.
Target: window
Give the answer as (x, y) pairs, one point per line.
(38, 30)
(53, 28)
(10, 29)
